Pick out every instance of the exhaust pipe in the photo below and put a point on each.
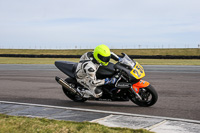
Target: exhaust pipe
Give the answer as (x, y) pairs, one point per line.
(67, 86)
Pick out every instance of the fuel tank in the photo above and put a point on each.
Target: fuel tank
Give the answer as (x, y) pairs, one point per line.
(106, 71)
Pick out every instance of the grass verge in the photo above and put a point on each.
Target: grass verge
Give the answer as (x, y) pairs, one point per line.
(183, 52)
(15, 60)
(20, 124)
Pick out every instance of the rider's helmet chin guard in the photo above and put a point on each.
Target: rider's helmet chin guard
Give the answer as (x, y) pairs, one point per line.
(102, 54)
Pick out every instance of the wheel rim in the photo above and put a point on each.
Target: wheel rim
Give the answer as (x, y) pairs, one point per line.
(145, 95)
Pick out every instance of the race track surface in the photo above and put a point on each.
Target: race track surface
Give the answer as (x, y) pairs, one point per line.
(178, 89)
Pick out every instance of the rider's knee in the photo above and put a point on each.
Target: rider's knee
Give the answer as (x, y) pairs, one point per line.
(98, 92)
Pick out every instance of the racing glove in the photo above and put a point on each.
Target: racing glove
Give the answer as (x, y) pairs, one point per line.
(110, 81)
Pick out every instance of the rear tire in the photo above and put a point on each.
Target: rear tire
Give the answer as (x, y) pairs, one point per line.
(148, 94)
(72, 96)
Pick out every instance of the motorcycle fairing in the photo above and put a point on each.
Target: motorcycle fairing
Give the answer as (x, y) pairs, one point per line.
(138, 71)
(134, 68)
(67, 67)
(130, 77)
(140, 84)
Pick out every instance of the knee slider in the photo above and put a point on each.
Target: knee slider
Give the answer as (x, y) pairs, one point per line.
(98, 91)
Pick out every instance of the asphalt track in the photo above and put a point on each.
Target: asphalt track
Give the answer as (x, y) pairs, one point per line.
(177, 86)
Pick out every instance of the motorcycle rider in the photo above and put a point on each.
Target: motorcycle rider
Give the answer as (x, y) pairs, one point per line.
(87, 68)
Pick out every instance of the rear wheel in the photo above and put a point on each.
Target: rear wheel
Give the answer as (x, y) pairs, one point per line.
(148, 94)
(71, 95)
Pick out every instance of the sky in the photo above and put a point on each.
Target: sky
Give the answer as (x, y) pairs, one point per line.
(69, 24)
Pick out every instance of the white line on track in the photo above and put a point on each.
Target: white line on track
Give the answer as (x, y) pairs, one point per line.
(156, 125)
(107, 117)
(107, 112)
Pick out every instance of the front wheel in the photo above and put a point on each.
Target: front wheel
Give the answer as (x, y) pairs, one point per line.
(148, 94)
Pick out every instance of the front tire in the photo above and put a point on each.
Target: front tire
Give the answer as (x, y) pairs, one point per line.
(74, 97)
(148, 94)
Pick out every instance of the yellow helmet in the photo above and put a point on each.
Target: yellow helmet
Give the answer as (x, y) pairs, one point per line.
(102, 54)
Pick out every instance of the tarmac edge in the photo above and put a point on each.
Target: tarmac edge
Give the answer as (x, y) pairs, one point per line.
(108, 118)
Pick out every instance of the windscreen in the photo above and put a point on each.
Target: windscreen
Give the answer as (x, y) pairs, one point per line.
(127, 61)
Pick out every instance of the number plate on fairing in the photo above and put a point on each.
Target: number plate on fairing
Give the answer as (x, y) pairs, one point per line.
(138, 71)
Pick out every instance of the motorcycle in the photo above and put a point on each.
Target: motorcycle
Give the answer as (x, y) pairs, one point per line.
(129, 84)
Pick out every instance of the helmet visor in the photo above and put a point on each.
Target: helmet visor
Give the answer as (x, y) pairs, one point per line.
(104, 59)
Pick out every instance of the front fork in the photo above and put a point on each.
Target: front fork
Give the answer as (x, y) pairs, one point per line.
(135, 88)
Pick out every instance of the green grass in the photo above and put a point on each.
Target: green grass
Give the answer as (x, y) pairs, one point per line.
(16, 124)
(195, 62)
(13, 60)
(184, 52)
